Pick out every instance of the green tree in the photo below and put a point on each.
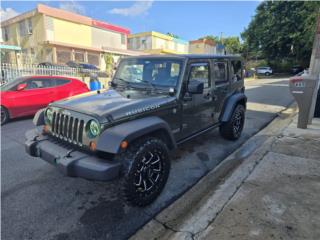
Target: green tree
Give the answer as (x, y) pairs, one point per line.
(232, 44)
(173, 35)
(282, 31)
(109, 63)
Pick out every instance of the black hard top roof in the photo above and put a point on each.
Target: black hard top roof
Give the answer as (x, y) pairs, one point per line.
(189, 56)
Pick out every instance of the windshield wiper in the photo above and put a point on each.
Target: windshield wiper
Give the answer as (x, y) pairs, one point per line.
(122, 80)
(149, 83)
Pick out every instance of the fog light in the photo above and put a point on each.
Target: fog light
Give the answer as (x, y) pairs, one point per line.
(93, 146)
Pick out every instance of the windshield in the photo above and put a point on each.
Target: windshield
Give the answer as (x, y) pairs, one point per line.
(12, 85)
(156, 72)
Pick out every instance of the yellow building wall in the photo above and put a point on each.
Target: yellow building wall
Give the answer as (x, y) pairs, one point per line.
(160, 43)
(29, 41)
(72, 33)
(197, 48)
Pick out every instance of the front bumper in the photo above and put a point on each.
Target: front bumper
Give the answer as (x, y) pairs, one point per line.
(69, 161)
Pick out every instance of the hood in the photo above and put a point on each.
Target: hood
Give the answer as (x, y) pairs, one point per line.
(115, 104)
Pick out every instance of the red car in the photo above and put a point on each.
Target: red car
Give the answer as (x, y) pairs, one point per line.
(26, 95)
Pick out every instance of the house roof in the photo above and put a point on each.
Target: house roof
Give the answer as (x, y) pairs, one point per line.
(203, 40)
(68, 16)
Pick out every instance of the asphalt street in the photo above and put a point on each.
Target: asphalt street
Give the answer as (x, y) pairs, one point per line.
(39, 203)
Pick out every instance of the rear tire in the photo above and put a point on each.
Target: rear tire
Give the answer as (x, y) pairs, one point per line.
(4, 115)
(232, 129)
(267, 74)
(146, 170)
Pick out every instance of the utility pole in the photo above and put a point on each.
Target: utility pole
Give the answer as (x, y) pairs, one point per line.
(314, 69)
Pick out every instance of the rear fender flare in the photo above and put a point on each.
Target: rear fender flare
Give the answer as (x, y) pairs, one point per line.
(230, 104)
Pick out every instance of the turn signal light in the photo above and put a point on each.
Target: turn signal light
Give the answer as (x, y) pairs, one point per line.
(93, 146)
(45, 128)
(124, 144)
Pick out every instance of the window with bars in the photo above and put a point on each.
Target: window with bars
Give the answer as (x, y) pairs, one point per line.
(93, 58)
(5, 33)
(79, 56)
(63, 56)
(22, 28)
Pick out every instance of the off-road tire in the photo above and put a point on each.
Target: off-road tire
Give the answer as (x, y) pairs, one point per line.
(4, 115)
(139, 166)
(232, 129)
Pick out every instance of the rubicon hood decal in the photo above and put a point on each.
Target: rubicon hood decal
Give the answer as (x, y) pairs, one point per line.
(116, 104)
(143, 109)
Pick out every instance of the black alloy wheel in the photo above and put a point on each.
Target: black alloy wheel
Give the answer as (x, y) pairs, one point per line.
(146, 169)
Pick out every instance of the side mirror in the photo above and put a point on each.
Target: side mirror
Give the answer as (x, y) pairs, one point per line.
(21, 86)
(195, 87)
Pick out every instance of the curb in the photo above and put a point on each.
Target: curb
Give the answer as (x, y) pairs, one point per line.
(193, 212)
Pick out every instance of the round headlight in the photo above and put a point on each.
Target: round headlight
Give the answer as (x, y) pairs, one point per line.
(49, 115)
(94, 128)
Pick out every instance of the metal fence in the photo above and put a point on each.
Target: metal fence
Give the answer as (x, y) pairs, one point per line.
(11, 71)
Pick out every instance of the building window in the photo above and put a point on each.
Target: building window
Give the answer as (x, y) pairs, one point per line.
(63, 56)
(22, 28)
(130, 43)
(29, 25)
(93, 58)
(25, 57)
(123, 39)
(5, 33)
(79, 56)
(144, 43)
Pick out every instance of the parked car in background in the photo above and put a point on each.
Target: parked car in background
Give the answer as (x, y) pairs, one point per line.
(73, 64)
(45, 64)
(296, 69)
(26, 95)
(88, 66)
(264, 71)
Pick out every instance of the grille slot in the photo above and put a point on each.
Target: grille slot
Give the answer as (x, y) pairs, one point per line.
(68, 128)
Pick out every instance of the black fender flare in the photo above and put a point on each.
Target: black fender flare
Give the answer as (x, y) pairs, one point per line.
(230, 104)
(110, 140)
(38, 118)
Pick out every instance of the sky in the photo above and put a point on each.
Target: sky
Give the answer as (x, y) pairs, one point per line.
(189, 20)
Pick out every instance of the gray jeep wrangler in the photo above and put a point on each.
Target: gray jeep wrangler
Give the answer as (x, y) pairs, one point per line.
(154, 103)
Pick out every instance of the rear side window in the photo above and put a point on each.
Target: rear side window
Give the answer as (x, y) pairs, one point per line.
(236, 70)
(200, 72)
(60, 82)
(36, 83)
(220, 72)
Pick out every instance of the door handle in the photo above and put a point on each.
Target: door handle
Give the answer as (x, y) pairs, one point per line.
(207, 96)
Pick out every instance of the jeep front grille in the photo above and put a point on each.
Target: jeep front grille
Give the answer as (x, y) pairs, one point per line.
(67, 128)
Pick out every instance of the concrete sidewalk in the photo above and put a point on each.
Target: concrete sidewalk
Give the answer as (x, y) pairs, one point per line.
(273, 194)
(281, 197)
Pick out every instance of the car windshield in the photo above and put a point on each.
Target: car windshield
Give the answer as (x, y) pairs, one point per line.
(12, 85)
(155, 72)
